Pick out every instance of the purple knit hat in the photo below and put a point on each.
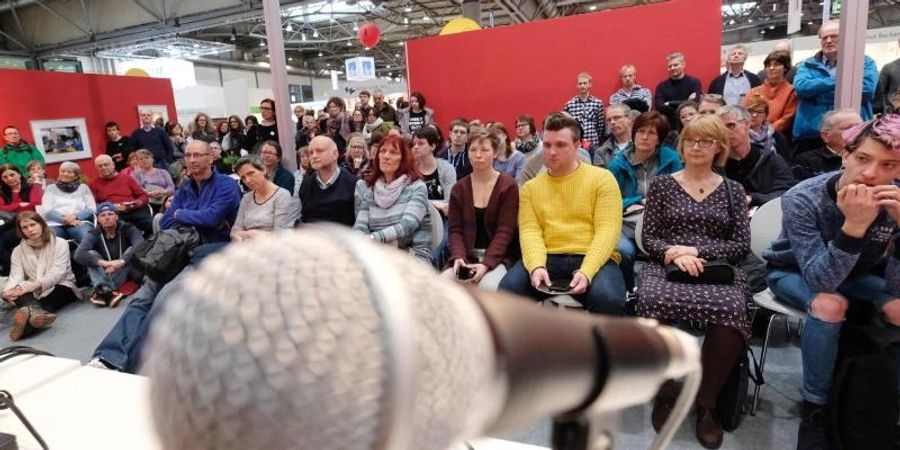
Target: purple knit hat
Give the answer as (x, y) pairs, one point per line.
(885, 130)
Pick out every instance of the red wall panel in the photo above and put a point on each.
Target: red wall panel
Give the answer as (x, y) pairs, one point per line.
(499, 73)
(27, 95)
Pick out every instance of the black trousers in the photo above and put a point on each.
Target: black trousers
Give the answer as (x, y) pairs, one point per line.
(59, 297)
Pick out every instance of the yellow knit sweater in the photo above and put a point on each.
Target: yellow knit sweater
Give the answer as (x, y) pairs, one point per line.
(580, 213)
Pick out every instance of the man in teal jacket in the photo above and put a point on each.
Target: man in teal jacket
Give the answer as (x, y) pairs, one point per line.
(16, 151)
(815, 86)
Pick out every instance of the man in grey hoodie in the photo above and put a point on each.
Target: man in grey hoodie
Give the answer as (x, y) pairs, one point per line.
(839, 229)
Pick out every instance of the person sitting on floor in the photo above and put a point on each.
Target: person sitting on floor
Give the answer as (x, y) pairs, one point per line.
(40, 279)
(570, 218)
(482, 220)
(839, 246)
(106, 253)
(694, 217)
(207, 201)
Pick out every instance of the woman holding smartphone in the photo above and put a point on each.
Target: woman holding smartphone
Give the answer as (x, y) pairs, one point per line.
(484, 208)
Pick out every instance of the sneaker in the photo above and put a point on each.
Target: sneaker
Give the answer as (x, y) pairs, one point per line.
(98, 363)
(40, 318)
(115, 299)
(813, 432)
(102, 295)
(20, 323)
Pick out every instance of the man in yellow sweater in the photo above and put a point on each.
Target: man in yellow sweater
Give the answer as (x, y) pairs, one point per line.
(570, 218)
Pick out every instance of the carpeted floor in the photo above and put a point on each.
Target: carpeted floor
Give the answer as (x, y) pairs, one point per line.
(81, 326)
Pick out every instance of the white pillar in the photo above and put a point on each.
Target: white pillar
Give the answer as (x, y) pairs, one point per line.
(275, 42)
(851, 52)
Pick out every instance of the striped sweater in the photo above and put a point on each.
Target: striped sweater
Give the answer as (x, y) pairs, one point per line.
(406, 223)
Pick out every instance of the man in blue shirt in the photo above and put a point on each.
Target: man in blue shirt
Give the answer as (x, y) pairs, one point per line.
(153, 139)
(208, 201)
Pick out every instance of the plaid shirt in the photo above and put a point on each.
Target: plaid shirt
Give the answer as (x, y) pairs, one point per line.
(637, 91)
(589, 114)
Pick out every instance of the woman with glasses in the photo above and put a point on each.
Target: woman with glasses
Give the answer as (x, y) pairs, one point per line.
(763, 133)
(634, 169)
(776, 90)
(357, 160)
(693, 217)
(266, 129)
(270, 154)
(527, 139)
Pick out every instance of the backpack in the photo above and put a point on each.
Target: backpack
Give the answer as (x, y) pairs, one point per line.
(166, 253)
(864, 397)
(732, 401)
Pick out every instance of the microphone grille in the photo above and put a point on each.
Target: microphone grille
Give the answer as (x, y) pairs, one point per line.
(288, 342)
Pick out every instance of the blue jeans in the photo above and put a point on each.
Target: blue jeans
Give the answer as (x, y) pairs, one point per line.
(121, 345)
(605, 295)
(438, 255)
(819, 343)
(73, 233)
(627, 248)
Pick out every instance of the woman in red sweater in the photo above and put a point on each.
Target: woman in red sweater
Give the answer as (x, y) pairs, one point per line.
(16, 195)
(483, 215)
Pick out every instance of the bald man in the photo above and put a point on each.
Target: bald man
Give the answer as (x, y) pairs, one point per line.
(326, 193)
(123, 192)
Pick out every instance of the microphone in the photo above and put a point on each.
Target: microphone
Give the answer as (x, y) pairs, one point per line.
(322, 339)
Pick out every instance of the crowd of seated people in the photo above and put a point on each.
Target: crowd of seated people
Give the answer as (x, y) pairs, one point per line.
(552, 209)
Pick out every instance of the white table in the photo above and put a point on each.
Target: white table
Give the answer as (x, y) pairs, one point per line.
(75, 407)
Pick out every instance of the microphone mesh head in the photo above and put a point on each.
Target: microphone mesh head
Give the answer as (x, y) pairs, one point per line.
(284, 342)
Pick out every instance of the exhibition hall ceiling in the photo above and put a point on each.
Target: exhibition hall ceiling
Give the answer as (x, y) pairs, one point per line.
(320, 34)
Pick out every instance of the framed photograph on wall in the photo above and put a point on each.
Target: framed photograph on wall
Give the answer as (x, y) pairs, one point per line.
(61, 139)
(159, 113)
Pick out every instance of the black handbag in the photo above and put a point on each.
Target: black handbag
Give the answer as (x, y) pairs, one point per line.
(717, 271)
(732, 401)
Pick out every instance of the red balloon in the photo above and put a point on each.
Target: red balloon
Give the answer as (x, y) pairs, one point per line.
(369, 34)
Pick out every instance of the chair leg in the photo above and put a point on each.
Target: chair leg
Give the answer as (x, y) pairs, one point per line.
(787, 325)
(762, 364)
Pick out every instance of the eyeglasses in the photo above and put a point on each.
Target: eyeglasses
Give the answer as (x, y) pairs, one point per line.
(757, 112)
(702, 143)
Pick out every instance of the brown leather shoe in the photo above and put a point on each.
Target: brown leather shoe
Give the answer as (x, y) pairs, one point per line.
(40, 318)
(709, 430)
(20, 323)
(663, 404)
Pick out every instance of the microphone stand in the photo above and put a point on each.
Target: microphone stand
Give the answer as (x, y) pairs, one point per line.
(583, 432)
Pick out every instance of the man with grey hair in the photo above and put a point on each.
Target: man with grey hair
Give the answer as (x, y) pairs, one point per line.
(154, 139)
(827, 158)
(815, 85)
(679, 87)
(630, 88)
(762, 172)
(123, 192)
(734, 84)
(888, 86)
(618, 120)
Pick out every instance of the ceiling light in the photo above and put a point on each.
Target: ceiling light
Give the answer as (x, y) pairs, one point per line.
(771, 27)
(355, 26)
(388, 66)
(593, 7)
(289, 28)
(262, 43)
(408, 9)
(196, 45)
(396, 55)
(320, 54)
(267, 55)
(731, 22)
(290, 58)
(303, 36)
(233, 38)
(750, 21)
(349, 44)
(810, 22)
(406, 20)
(327, 64)
(774, 6)
(762, 31)
(315, 33)
(425, 18)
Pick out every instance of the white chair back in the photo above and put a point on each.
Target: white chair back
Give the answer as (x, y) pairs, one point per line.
(638, 234)
(765, 226)
(437, 226)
